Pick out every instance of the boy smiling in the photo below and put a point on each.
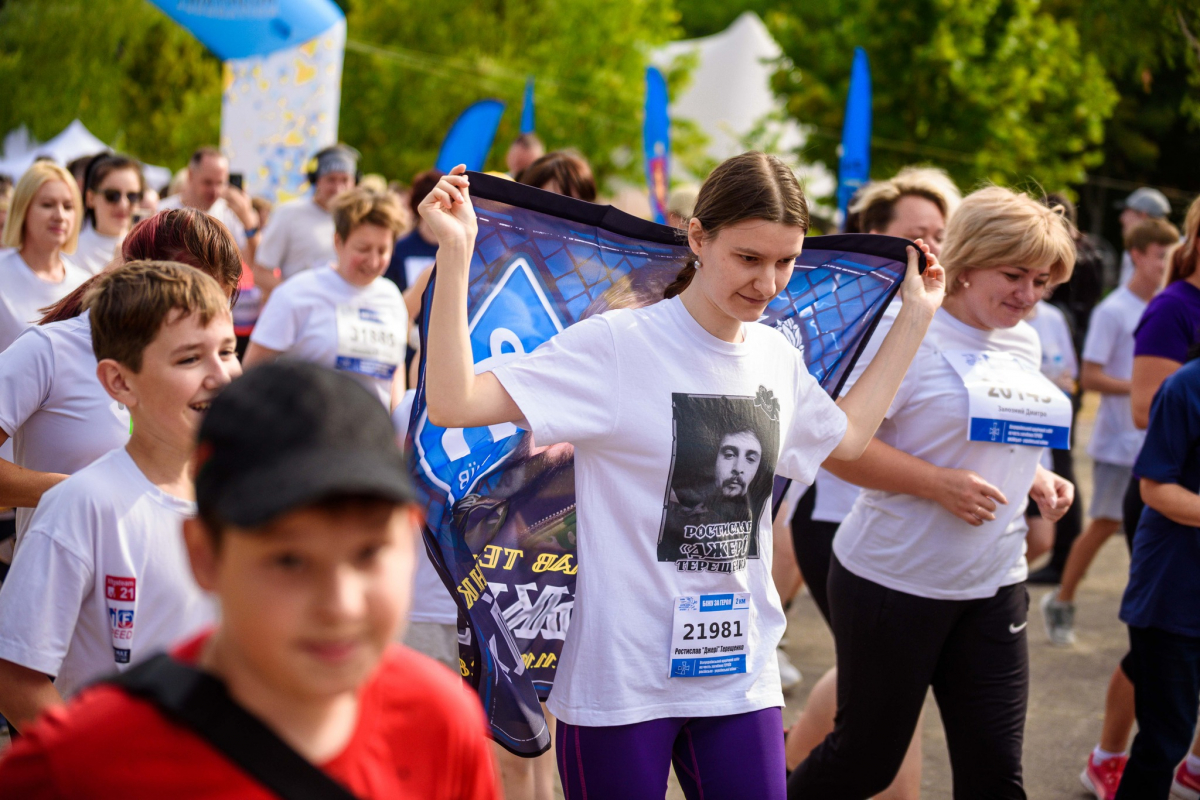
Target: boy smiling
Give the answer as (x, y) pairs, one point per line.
(101, 580)
(306, 533)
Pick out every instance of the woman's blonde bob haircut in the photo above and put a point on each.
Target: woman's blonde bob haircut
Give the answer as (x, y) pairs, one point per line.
(38, 174)
(997, 227)
(875, 203)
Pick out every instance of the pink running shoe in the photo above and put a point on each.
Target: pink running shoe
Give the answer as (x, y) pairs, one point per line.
(1186, 786)
(1103, 779)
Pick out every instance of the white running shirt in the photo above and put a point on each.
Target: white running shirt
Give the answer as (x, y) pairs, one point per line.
(1109, 343)
(298, 236)
(102, 579)
(23, 294)
(321, 317)
(665, 420)
(52, 406)
(913, 545)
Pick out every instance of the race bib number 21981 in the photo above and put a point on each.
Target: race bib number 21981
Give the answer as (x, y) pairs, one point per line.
(710, 635)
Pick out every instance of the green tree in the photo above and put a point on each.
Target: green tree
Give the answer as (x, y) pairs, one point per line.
(993, 90)
(1151, 53)
(133, 76)
(411, 68)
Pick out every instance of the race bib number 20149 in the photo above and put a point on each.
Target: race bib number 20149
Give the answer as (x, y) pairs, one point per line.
(1010, 402)
(710, 635)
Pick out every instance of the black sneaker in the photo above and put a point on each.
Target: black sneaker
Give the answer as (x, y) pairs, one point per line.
(1046, 576)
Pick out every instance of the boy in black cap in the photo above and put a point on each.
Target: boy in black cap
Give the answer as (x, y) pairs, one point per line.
(306, 534)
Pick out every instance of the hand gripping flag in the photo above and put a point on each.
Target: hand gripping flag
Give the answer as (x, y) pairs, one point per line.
(501, 510)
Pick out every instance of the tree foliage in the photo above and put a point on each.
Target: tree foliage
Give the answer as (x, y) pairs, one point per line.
(993, 90)
(134, 77)
(589, 57)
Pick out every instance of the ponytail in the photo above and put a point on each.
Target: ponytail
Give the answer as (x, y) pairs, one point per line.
(682, 280)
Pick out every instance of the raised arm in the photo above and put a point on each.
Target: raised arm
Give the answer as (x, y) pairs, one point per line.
(456, 397)
(867, 402)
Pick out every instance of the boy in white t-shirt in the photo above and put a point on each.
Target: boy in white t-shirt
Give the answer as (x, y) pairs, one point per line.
(1116, 441)
(101, 579)
(348, 317)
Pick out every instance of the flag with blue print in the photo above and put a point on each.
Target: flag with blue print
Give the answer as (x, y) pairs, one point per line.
(501, 520)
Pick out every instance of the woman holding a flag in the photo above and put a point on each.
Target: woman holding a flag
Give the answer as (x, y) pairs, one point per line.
(680, 414)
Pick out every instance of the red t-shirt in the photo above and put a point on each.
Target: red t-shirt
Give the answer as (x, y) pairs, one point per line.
(420, 734)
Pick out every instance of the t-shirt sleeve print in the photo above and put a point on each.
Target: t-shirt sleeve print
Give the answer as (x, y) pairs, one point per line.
(722, 468)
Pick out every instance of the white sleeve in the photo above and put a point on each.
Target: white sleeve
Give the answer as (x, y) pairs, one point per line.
(568, 389)
(26, 374)
(873, 344)
(277, 327)
(1101, 337)
(818, 426)
(40, 602)
(1067, 346)
(272, 248)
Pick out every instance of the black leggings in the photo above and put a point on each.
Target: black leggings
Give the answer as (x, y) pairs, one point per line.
(891, 647)
(813, 542)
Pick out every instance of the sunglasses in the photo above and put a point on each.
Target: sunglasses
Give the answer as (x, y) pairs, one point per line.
(114, 196)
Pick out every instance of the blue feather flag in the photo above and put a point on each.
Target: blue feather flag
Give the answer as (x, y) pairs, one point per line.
(500, 525)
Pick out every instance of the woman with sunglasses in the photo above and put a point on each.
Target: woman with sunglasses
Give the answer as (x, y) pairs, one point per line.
(113, 187)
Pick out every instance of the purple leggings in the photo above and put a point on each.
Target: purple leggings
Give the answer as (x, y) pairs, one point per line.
(716, 758)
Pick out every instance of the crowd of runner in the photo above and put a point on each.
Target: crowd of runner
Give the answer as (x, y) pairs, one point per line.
(199, 567)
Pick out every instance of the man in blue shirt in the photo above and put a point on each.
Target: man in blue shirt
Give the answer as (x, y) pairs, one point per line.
(1162, 600)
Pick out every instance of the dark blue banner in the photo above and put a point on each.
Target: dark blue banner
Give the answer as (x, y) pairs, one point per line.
(501, 508)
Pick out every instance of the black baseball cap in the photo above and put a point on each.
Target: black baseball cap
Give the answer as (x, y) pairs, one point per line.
(289, 434)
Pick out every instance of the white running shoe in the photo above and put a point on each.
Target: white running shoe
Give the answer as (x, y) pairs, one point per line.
(1059, 618)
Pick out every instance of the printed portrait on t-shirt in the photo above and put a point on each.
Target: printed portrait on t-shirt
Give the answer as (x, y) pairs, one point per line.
(722, 466)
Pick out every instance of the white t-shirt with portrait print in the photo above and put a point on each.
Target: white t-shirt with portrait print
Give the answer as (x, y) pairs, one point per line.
(669, 502)
(102, 579)
(1109, 343)
(23, 294)
(52, 406)
(321, 317)
(913, 545)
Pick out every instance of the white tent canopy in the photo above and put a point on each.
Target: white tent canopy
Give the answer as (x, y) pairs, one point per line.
(730, 94)
(74, 141)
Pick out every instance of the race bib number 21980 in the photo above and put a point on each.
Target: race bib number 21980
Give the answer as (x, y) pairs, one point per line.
(710, 634)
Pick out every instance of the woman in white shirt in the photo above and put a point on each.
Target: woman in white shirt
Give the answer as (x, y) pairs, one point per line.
(42, 224)
(927, 594)
(679, 413)
(113, 187)
(346, 316)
